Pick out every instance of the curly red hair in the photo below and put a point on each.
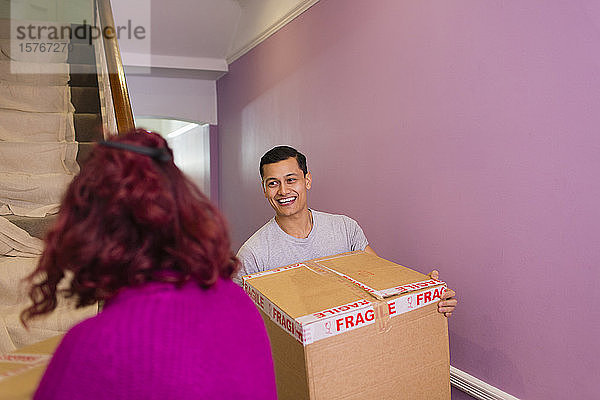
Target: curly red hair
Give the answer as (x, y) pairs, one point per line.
(127, 219)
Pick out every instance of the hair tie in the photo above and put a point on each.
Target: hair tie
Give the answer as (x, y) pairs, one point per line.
(157, 153)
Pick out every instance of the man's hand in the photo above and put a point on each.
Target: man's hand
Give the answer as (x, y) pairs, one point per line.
(448, 303)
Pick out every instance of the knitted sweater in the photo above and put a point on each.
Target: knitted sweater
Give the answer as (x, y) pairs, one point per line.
(158, 342)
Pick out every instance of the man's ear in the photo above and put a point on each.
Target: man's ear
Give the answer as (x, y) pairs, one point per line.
(308, 179)
(264, 188)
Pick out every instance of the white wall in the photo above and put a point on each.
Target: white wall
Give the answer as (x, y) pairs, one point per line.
(190, 144)
(178, 98)
(191, 151)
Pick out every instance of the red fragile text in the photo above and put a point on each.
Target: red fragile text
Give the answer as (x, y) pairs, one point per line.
(392, 308)
(19, 358)
(255, 296)
(284, 268)
(356, 320)
(272, 271)
(337, 310)
(426, 297)
(417, 285)
(287, 323)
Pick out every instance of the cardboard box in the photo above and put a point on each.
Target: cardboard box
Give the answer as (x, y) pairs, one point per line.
(354, 326)
(22, 370)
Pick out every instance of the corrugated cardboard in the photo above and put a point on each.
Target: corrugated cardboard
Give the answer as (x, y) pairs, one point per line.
(354, 326)
(21, 370)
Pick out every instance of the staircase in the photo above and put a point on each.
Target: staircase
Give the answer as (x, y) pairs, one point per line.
(74, 131)
(84, 96)
(87, 119)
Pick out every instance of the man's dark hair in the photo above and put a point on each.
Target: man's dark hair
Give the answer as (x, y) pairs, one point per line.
(281, 153)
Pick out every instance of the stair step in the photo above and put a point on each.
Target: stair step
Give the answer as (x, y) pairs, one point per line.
(85, 149)
(88, 127)
(87, 120)
(85, 100)
(83, 75)
(4, 28)
(36, 227)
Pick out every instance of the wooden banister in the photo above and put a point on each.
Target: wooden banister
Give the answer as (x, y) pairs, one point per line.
(116, 73)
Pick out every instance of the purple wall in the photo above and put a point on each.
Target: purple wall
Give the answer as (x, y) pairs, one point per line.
(462, 135)
(214, 163)
(458, 395)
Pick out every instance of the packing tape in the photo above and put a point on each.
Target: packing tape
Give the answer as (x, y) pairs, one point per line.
(340, 255)
(382, 293)
(271, 271)
(314, 267)
(382, 316)
(27, 361)
(277, 315)
(346, 279)
(23, 358)
(346, 317)
(379, 306)
(324, 324)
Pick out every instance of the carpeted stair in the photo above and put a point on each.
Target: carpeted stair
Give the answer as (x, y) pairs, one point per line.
(29, 142)
(87, 119)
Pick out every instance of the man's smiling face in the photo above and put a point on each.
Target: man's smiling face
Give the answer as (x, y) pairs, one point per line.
(285, 187)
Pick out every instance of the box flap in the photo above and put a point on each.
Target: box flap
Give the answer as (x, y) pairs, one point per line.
(318, 298)
(314, 285)
(375, 272)
(21, 370)
(302, 290)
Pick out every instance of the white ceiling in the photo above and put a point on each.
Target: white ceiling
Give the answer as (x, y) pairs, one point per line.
(201, 35)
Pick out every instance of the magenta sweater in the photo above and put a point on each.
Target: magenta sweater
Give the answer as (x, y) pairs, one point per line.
(161, 343)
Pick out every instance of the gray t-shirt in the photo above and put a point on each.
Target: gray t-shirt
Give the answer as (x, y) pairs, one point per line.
(270, 247)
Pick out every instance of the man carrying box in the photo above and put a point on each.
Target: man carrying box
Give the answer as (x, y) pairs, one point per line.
(297, 233)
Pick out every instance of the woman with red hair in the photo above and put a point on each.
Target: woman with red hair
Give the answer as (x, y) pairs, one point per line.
(134, 232)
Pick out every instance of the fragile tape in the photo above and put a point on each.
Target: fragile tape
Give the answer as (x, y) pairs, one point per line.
(278, 316)
(322, 328)
(330, 312)
(412, 301)
(272, 271)
(23, 358)
(375, 293)
(327, 323)
(383, 293)
(346, 317)
(409, 287)
(315, 266)
(338, 324)
(382, 316)
(28, 361)
(355, 320)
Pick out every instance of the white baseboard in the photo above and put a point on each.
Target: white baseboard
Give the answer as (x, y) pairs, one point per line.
(475, 387)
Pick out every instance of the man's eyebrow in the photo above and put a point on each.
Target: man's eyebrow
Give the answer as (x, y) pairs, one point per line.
(272, 178)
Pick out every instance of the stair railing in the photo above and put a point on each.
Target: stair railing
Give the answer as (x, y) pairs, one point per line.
(114, 96)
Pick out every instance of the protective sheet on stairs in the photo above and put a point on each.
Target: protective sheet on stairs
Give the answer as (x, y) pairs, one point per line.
(41, 74)
(36, 98)
(44, 30)
(38, 158)
(11, 51)
(32, 195)
(14, 299)
(17, 242)
(21, 126)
